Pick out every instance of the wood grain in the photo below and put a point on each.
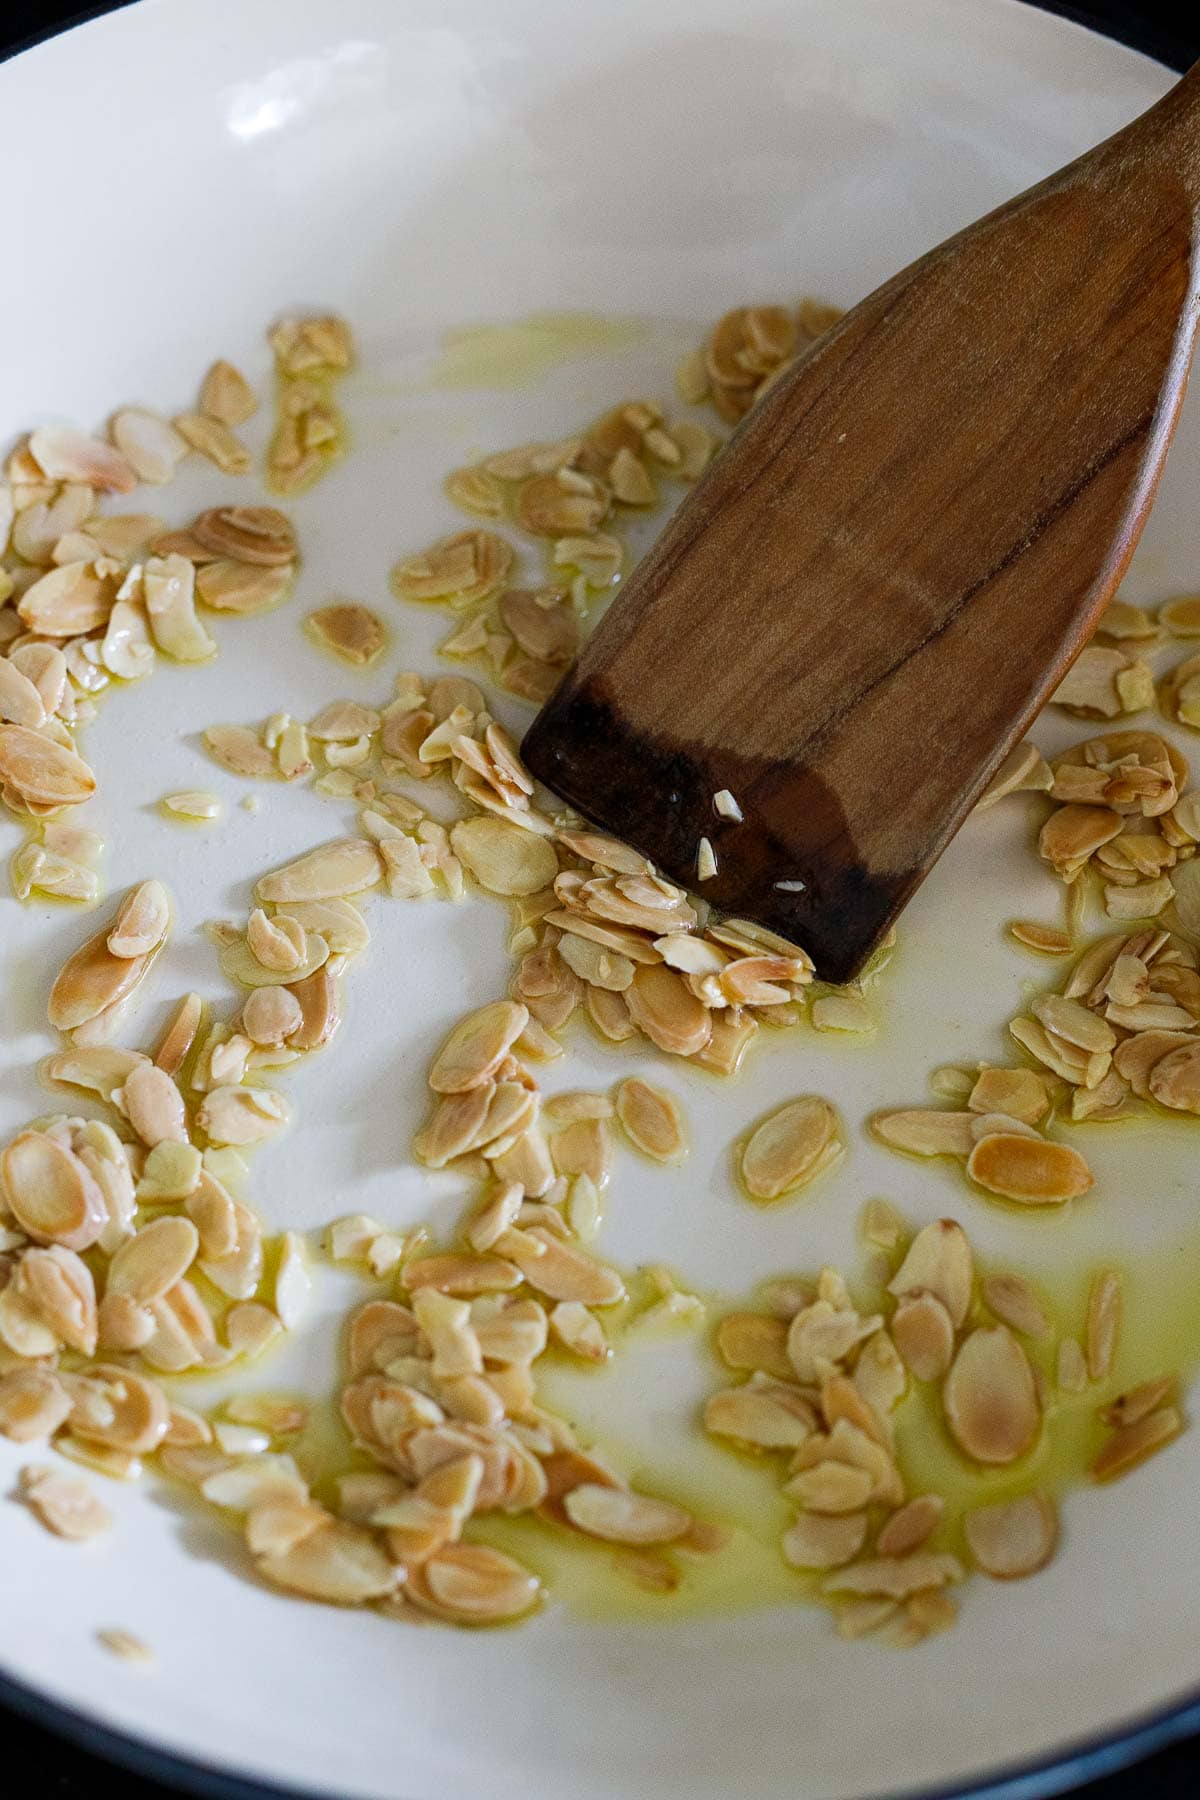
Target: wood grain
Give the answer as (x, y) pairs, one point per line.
(889, 568)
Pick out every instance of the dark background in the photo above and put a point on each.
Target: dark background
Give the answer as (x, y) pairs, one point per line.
(50, 1769)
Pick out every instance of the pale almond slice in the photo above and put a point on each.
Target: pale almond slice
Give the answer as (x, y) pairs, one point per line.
(1103, 1323)
(41, 772)
(237, 1115)
(912, 1526)
(923, 1333)
(473, 1584)
(338, 921)
(20, 701)
(1029, 1170)
(1012, 1538)
(63, 454)
(623, 1517)
(583, 1149)
(990, 1397)
(345, 866)
(663, 1007)
(477, 1046)
(169, 588)
(215, 441)
(134, 1415)
(652, 1118)
(1174, 1080)
(33, 1404)
(51, 1193)
(1068, 1019)
(1023, 770)
(822, 1335)
(100, 1070)
(579, 1331)
(750, 1340)
(225, 394)
(148, 1265)
(1014, 1303)
(790, 1148)
(154, 1106)
(503, 858)
(229, 585)
(896, 1576)
(459, 1273)
(1132, 1444)
(560, 1271)
(831, 1487)
(70, 601)
(240, 964)
(149, 443)
(336, 1562)
(1071, 1367)
(769, 1415)
(241, 751)
(64, 1504)
(142, 922)
(939, 1262)
(824, 1541)
(270, 1015)
(1021, 1093)
(925, 1132)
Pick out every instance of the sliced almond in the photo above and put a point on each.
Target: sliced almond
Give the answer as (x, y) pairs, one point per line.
(477, 1046)
(237, 1115)
(790, 1147)
(912, 1526)
(228, 585)
(560, 1271)
(345, 866)
(149, 443)
(473, 1584)
(148, 1265)
(1103, 1322)
(769, 1415)
(923, 1333)
(142, 922)
(623, 1517)
(1130, 1445)
(66, 455)
(1029, 1170)
(241, 751)
(503, 858)
(896, 1576)
(50, 1192)
(938, 1261)
(925, 1132)
(1012, 1538)
(65, 1504)
(652, 1118)
(215, 441)
(1014, 1303)
(824, 1541)
(41, 772)
(990, 1397)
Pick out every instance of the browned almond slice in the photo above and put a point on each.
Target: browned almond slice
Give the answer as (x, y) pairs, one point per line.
(477, 1046)
(1029, 1170)
(50, 1192)
(923, 1333)
(824, 1541)
(750, 1340)
(41, 772)
(663, 1007)
(1130, 1445)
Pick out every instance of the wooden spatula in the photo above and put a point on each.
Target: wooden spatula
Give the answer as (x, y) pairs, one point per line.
(889, 568)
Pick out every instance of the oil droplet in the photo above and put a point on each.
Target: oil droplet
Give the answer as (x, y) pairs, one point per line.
(521, 353)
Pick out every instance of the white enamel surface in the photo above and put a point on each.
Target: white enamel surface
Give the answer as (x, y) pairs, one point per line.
(192, 169)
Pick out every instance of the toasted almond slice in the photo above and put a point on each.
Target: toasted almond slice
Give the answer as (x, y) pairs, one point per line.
(560, 1271)
(912, 1526)
(148, 1265)
(1029, 1170)
(831, 1487)
(477, 1046)
(457, 1272)
(822, 1334)
(824, 1541)
(1103, 1322)
(1047, 940)
(579, 1331)
(71, 600)
(925, 1132)
(938, 1261)
(1136, 1402)
(583, 1149)
(50, 1192)
(623, 1517)
(790, 1147)
(135, 1415)
(750, 1340)
(896, 1576)
(1024, 769)
(1132, 1444)
(1174, 1080)
(1021, 1093)
(1068, 1019)
(1014, 1303)
(990, 1397)
(770, 1415)
(20, 701)
(1012, 1538)
(924, 1335)
(652, 1118)
(473, 1584)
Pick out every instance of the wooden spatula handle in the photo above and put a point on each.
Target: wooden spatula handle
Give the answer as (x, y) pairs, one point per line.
(1169, 133)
